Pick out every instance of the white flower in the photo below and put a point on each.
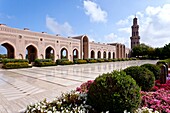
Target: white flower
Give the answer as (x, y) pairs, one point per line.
(49, 112)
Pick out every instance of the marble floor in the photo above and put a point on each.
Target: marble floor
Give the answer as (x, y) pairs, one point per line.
(21, 87)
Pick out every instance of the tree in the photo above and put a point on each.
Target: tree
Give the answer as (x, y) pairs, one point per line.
(141, 50)
(158, 53)
(166, 51)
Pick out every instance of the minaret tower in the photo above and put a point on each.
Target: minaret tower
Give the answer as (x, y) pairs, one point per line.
(135, 38)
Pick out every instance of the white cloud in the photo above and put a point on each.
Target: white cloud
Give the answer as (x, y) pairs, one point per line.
(113, 38)
(55, 27)
(5, 16)
(125, 21)
(110, 37)
(154, 25)
(94, 11)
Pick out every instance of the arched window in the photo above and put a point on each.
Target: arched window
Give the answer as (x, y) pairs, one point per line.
(64, 53)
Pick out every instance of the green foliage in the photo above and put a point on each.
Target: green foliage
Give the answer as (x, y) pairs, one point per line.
(153, 68)
(92, 61)
(100, 60)
(166, 51)
(72, 102)
(2, 56)
(144, 77)
(108, 60)
(66, 62)
(143, 50)
(59, 61)
(16, 65)
(114, 92)
(114, 60)
(4, 61)
(44, 62)
(81, 61)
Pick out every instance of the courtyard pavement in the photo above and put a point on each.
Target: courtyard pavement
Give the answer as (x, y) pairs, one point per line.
(21, 87)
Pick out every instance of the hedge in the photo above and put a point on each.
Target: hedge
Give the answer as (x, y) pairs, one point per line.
(16, 65)
(4, 61)
(44, 62)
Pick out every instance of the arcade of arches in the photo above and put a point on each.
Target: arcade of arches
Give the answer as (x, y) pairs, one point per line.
(25, 44)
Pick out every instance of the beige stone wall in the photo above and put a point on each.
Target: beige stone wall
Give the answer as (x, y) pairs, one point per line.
(102, 47)
(21, 39)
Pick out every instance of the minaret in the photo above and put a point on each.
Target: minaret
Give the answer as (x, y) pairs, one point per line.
(135, 34)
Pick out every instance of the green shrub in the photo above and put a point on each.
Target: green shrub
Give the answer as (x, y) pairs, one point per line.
(153, 68)
(114, 92)
(123, 59)
(144, 78)
(44, 62)
(100, 60)
(118, 59)
(92, 61)
(81, 61)
(107, 60)
(16, 65)
(4, 61)
(130, 58)
(161, 62)
(134, 59)
(166, 62)
(66, 62)
(59, 61)
(114, 60)
(75, 60)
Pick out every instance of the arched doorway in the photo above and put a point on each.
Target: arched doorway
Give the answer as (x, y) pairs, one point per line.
(92, 54)
(9, 50)
(31, 54)
(49, 53)
(109, 55)
(75, 53)
(104, 54)
(98, 54)
(85, 47)
(113, 55)
(64, 53)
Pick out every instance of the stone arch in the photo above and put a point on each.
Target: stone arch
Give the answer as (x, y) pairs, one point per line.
(109, 55)
(64, 53)
(85, 46)
(98, 54)
(92, 54)
(113, 55)
(42, 56)
(32, 52)
(10, 49)
(104, 54)
(21, 56)
(50, 52)
(75, 53)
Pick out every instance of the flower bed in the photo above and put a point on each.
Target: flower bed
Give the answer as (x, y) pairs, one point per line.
(156, 100)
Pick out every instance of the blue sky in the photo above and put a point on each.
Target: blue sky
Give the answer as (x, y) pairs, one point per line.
(102, 20)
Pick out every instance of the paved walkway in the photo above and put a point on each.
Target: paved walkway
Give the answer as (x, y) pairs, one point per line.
(20, 87)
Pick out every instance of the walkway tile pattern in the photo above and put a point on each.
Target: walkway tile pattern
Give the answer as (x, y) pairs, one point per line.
(21, 87)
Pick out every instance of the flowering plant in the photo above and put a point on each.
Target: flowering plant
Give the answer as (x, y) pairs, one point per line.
(158, 85)
(158, 100)
(84, 87)
(73, 102)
